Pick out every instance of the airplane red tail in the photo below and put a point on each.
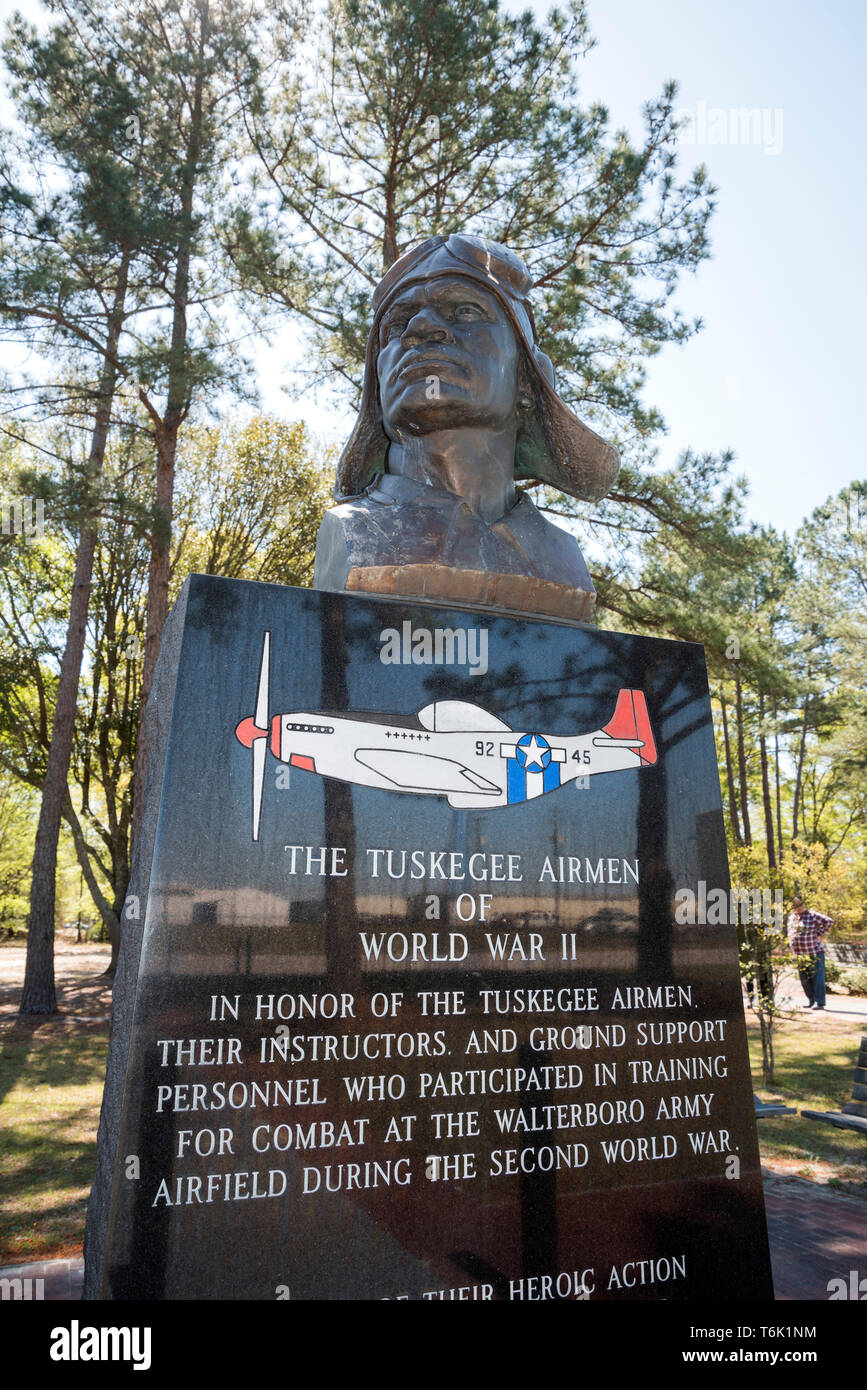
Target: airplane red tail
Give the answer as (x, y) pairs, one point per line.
(631, 720)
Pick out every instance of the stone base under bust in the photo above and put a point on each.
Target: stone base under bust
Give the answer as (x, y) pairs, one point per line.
(519, 592)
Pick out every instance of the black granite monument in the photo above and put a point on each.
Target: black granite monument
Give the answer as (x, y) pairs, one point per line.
(414, 1016)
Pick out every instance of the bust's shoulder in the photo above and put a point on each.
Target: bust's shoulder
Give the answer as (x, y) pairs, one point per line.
(387, 491)
(350, 509)
(370, 511)
(558, 551)
(398, 521)
(381, 526)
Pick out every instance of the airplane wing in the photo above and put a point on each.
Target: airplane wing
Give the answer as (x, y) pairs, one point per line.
(458, 716)
(424, 771)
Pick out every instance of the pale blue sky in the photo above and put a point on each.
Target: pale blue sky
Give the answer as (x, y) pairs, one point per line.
(779, 367)
(780, 364)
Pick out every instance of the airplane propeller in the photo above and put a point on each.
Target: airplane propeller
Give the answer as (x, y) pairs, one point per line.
(252, 732)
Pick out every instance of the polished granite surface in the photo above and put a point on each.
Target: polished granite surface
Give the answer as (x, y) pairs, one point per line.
(434, 1032)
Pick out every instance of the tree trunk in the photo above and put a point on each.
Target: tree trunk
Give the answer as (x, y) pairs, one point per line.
(166, 438)
(114, 934)
(777, 781)
(389, 231)
(38, 995)
(766, 1026)
(742, 764)
(800, 770)
(157, 605)
(730, 776)
(766, 788)
(103, 906)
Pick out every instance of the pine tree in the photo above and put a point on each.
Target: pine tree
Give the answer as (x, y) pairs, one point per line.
(197, 70)
(400, 119)
(70, 226)
(126, 111)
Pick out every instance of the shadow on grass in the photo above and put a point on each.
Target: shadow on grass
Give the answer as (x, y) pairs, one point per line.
(804, 1140)
(815, 1063)
(88, 997)
(51, 1232)
(14, 1052)
(47, 1135)
(66, 1061)
(48, 1141)
(825, 1084)
(48, 1163)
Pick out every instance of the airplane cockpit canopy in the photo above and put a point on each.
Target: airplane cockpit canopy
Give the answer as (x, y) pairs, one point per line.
(458, 716)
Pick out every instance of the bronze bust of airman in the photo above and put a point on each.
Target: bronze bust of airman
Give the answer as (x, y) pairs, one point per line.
(458, 406)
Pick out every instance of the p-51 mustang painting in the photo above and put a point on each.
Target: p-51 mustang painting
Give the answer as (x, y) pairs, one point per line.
(449, 748)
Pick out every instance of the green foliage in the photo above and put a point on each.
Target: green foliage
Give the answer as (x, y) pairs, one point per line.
(829, 605)
(397, 119)
(126, 117)
(16, 838)
(852, 977)
(250, 500)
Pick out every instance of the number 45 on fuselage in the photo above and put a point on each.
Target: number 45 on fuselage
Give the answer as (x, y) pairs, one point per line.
(449, 748)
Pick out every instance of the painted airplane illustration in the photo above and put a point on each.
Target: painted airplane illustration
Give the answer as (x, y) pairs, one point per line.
(449, 748)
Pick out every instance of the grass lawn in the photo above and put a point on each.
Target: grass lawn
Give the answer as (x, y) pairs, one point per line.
(815, 1058)
(51, 1079)
(51, 1076)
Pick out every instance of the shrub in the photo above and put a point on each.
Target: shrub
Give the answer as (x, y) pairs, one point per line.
(854, 977)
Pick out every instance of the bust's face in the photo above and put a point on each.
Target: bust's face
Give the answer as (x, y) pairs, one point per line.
(447, 359)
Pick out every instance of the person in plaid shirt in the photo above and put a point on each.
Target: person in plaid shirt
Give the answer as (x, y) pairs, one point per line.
(806, 932)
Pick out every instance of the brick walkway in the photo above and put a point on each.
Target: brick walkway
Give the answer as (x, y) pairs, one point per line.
(816, 1235)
